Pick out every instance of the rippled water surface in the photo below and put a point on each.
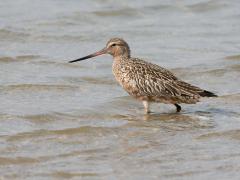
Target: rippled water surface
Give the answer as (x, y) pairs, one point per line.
(73, 121)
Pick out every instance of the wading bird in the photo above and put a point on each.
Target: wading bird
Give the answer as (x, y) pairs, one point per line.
(148, 82)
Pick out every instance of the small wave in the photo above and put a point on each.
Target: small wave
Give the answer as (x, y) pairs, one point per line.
(68, 175)
(38, 87)
(206, 6)
(230, 134)
(21, 58)
(8, 35)
(60, 38)
(95, 80)
(231, 98)
(235, 67)
(67, 131)
(127, 12)
(233, 57)
(17, 160)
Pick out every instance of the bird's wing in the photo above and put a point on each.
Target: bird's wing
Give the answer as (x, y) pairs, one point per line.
(153, 80)
(153, 69)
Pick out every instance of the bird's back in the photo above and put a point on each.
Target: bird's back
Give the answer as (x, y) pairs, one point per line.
(147, 81)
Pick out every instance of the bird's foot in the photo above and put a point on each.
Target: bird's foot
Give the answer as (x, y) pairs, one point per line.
(178, 107)
(146, 107)
(147, 111)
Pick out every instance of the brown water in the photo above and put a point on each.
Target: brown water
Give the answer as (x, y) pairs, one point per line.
(72, 121)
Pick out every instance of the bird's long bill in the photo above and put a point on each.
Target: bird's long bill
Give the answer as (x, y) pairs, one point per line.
(103, 51)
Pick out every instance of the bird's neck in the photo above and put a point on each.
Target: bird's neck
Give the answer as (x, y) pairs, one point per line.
(121, 52)
(119, 59)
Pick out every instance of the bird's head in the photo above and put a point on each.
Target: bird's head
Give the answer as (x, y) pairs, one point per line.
(116, 47)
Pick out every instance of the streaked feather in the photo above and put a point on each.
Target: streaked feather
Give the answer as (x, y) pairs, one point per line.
(151, 82)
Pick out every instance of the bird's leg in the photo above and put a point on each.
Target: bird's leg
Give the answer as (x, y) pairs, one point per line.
(178, 107)
(146, 107)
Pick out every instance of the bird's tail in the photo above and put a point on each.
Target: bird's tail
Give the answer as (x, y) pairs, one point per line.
(190, 89)
(207, 94)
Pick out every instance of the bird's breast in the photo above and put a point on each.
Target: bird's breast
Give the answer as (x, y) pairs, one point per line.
(124, 76)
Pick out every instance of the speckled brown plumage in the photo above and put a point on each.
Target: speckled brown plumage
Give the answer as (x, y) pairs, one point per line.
(146, 81)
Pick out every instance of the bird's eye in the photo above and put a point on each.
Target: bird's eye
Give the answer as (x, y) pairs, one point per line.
(114, 45)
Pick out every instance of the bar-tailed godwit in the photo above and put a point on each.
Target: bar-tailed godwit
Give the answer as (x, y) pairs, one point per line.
(146, 81)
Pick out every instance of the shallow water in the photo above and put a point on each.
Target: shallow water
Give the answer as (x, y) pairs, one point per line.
(73, 121)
